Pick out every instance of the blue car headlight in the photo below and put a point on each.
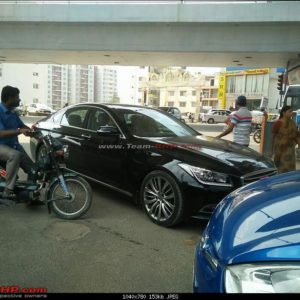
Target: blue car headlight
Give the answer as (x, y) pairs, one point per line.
(263, 278)
(207, 176)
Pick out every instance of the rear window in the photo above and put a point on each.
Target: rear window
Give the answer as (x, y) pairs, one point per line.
(74, 117)
(164, 108)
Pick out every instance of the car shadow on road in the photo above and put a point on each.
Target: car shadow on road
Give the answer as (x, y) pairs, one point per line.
(108, 201)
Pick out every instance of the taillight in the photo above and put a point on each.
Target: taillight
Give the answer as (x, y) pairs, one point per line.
(64, 152)
(2, 172)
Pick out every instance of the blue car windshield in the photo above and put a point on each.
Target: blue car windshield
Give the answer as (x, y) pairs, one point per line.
(144, 122)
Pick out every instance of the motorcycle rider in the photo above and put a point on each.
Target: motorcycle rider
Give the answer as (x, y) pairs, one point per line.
(11, 152)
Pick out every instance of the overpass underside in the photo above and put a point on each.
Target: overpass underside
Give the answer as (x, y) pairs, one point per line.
(183, 35)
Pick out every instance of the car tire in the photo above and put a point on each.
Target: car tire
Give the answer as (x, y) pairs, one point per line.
(161, 199)
(210, 121)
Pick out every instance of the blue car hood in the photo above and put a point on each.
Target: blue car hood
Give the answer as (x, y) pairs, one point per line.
(258, 222)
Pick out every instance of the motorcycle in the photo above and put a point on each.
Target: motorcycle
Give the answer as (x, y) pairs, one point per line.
(67, 194)
(257, 135)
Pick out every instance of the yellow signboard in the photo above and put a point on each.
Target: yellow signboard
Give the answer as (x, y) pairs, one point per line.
(222, 90)
(248, 72)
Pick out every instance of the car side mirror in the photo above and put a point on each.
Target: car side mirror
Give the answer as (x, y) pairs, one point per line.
(108, 130)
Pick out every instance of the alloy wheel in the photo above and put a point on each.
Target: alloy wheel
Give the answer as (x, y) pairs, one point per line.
(159, 198)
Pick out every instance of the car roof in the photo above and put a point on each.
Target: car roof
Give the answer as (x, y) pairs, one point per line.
(213, 110)
(166, 107)
(115, 105)
(108, 105)
(111, 106)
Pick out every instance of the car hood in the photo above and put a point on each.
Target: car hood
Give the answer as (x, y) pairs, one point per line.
(244, 159)
(258, 222)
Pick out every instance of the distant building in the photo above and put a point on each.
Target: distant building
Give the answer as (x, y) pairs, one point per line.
(56, 85)
(130, 91)
(30, 79)
(80, 83)
(105, 84)
(255, 84)
(175, 86)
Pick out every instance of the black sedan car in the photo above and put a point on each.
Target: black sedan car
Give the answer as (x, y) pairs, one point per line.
(167, 167)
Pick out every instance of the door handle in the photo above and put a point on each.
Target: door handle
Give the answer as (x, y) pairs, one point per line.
(86, 136)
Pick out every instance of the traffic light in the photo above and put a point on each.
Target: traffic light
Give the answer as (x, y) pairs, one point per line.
(280, 83)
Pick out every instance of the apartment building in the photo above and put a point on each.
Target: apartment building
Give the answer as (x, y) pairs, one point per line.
(105, 85)
(80, 83)
(56, 85)
(30, 79)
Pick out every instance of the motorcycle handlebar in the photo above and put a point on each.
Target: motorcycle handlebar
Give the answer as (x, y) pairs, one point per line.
(35, 133)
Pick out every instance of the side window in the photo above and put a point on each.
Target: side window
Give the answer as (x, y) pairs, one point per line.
(99, 118)
(74, 117)
(57, 116)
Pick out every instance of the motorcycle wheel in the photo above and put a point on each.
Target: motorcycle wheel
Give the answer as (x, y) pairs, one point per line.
(257, 136)
(79, 203)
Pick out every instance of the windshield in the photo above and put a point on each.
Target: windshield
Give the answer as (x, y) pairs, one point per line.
(145, 122)
(164, 108)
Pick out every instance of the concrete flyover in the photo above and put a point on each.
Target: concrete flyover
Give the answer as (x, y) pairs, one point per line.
(261, 33)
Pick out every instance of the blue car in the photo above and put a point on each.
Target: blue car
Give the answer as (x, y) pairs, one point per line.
(252, 241)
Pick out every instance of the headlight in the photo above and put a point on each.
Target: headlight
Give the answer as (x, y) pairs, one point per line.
(206, 176)
(262, 278)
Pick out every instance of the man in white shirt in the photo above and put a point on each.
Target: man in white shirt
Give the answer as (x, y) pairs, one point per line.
(240, 123)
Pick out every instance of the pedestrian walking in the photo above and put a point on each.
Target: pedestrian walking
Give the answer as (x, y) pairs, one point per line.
(285, 137)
